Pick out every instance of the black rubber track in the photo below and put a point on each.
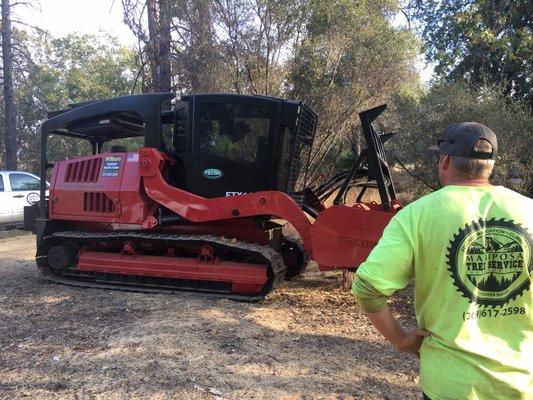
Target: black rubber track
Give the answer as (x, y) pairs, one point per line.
(242, 250)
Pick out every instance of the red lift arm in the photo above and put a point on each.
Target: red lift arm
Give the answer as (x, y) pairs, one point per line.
(341, 236)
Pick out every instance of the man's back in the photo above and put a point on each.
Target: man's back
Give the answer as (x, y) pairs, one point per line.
(469, 249)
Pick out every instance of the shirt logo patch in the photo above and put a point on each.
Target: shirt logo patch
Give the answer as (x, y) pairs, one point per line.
(490, 261)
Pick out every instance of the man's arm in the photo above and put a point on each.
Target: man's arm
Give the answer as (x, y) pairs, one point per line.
(388, 326)
(388, 268)
(374, 304)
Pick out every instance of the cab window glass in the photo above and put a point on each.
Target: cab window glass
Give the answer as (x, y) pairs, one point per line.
(121, 145)
(180, 130)
(66, 148)
(238, 132)
(167, 131)
(1, 183)
(21, 182)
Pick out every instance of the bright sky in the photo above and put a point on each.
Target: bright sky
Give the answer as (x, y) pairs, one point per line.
(61, 17)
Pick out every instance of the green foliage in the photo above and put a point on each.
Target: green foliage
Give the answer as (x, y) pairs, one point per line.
(64, 71)
(350, 58)
(346, 159)
(484, 41)
(85, 67)
(419, 121)
(339, 56)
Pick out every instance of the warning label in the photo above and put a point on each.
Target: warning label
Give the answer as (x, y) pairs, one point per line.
(111, 166)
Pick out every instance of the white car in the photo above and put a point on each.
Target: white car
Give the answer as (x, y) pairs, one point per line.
(17, 190)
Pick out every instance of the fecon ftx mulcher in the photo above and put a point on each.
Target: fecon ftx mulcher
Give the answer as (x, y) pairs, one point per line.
(198, 206)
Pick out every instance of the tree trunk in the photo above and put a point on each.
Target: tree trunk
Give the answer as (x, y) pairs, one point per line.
(202, 65)
(164, 46)
(153, 45)
(10, 123)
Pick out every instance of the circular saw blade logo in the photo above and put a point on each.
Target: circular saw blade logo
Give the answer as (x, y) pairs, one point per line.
(490, 261)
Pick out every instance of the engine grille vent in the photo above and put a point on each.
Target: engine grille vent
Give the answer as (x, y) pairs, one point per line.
(98, 202)
(83, 171)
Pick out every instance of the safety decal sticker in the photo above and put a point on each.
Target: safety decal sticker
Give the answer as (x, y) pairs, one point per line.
(111, 166)
(490, 261)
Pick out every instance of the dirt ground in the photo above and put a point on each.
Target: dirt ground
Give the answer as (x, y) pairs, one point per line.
(306, 340)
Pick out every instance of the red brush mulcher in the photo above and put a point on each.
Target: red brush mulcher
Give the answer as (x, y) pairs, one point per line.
(201, 206)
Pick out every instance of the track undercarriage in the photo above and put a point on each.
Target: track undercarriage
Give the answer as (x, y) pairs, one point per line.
(163, 262)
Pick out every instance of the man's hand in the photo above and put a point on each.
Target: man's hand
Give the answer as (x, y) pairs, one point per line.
(412, 341)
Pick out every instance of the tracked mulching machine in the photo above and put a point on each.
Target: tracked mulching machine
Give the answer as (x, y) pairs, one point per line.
(201, 203)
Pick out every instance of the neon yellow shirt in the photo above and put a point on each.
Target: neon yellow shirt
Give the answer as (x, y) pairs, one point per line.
(469, 250)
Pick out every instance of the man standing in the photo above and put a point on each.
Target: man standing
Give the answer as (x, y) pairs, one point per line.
(468, 248)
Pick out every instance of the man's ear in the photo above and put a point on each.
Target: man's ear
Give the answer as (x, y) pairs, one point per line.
(445, 160)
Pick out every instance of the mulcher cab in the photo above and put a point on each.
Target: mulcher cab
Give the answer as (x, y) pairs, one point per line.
(200, 205)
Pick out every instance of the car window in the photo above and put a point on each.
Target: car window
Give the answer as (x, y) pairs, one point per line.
(23, 182)
(1, 183)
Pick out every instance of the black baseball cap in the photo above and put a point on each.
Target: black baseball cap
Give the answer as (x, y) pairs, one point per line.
(459, 140)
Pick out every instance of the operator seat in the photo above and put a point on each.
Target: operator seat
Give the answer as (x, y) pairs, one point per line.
(118, 149)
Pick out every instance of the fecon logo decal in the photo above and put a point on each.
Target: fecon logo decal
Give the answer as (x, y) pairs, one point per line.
(352, 241)
(212, 173)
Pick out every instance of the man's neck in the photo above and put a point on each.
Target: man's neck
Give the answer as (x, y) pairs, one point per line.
(460, 181)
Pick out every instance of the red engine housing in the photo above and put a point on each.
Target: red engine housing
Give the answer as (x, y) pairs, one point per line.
(101, 188)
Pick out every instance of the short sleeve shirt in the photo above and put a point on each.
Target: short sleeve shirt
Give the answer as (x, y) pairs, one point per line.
(469, 250)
